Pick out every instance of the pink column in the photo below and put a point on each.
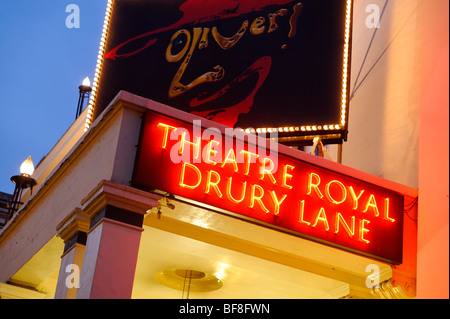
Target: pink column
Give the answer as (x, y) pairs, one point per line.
(116, 215)
(110, 260)
(72, 230)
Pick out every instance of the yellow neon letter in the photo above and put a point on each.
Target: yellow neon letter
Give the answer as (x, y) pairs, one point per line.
(196, 145)
(254, 198)
(267, 171)
(183, 171)
(363, 230)
(210, 152)
(386, 211)
(328, 195)
(322, 217)
(371, 202)
(277, 202)
(166, 133)
(230, 197)
(354, 197)
(248, 159)
(214, 185)
(231, 157)
(340, 219)
(286, 176)
(315, 186)
(302, 211)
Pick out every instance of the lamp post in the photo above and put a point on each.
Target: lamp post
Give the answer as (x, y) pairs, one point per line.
(22, 181)
(85, 90)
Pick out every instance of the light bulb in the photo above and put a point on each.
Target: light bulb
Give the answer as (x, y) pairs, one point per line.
(86, 82)
(27, 167)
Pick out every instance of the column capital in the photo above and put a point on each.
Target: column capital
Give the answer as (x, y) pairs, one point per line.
(75, 222)
(108, 193)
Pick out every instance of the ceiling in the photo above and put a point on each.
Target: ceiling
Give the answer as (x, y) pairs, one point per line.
(243, 276)
(252, 261)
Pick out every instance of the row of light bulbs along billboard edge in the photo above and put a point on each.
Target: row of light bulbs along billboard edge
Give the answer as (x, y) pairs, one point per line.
(90, 112)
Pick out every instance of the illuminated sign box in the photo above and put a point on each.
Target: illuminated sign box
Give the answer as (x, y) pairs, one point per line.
(261, 65)
(246, 176)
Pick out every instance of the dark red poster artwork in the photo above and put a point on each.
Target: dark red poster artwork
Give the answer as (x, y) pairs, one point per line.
(242, 63)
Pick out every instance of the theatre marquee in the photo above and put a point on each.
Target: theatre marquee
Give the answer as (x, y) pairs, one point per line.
(258, 180)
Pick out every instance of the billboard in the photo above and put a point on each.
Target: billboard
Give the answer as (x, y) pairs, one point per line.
(255, 179)
(260, 65)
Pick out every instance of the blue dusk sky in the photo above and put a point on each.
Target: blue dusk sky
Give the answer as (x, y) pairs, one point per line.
(42, 63)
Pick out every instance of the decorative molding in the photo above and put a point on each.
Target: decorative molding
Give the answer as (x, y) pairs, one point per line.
(120, 196)
(74, 222)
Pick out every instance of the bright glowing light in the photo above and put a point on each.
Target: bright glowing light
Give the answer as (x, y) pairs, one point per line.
(101, 53)
(86, 82)
(220, 274)
(27, 167)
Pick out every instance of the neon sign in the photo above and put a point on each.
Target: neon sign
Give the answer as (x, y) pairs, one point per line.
(266, 186)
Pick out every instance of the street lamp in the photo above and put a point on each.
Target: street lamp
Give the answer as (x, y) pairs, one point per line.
(22, 181)
(85, 90)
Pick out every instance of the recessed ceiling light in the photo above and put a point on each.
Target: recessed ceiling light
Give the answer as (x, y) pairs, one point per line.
(184, 279)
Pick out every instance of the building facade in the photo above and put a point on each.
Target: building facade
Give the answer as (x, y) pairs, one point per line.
(121, 239)
(88, 231)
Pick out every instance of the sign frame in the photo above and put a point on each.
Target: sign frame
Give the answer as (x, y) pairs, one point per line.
(335, 179)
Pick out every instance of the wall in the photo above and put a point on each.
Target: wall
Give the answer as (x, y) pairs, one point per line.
(91, 160)
(398, 119)
(384, 100)
(433, 239)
